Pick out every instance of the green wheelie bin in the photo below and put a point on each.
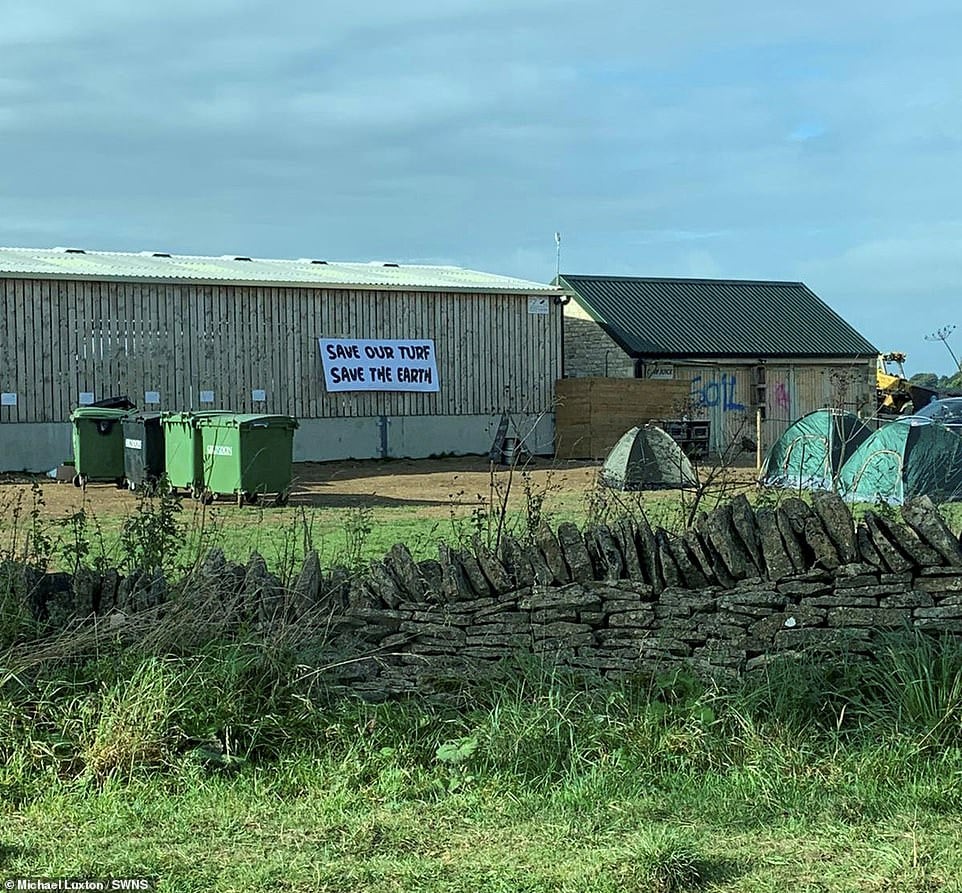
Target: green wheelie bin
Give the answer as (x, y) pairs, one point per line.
(247, 456)
(183, 453)
(98, 444)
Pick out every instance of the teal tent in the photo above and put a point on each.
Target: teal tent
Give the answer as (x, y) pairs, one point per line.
(647, 459)
(811, 452)
(902, 460)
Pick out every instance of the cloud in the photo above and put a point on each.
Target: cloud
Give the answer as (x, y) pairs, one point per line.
(898, 288)
(750, 139)
(893, 264)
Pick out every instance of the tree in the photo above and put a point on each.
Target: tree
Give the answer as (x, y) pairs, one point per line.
(925, 380)
(937, 382)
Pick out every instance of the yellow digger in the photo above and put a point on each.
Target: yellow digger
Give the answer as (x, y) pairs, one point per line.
(896, 395)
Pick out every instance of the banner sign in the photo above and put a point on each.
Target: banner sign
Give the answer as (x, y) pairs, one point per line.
(375, 364)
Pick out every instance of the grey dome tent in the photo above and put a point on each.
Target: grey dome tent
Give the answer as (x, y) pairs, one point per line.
(902, 460)
(647, 459)
(811, 452)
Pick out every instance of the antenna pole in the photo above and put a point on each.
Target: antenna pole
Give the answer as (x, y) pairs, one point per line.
(557, 242)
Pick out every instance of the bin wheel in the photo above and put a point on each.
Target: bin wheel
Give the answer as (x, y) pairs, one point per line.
(252, 498)
(121, 483)
(131, 486)
(196, 492)
(281, 499)
(207, 496)
(80, 480)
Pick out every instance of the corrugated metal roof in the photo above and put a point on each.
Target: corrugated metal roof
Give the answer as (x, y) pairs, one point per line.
(70, 263)
(716, 318)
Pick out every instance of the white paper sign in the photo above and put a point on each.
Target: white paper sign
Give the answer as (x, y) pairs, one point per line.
(133, 443)
(258, 395)
(151, 396)
(375, 364)
(8, 399)
(538, 306)
(206, 396)
(86, 398)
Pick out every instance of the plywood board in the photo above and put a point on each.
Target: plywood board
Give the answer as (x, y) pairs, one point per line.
(591, 414)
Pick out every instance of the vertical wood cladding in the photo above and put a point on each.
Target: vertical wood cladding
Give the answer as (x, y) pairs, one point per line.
(65, 337)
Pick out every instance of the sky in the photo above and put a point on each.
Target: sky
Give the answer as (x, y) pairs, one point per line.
(818, 142)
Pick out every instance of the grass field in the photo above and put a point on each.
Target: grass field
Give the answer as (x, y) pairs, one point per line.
(349, 512)
(215, 765)
(305, 826)
(354, 515)
(811, 781)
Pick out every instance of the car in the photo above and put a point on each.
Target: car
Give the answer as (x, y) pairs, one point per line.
(947, 411)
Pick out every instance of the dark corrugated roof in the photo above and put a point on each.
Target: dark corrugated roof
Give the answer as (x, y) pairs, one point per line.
(716, 318)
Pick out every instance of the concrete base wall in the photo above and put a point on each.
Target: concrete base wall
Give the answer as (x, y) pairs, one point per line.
(42, 446)
(34, 446)
(414, 437)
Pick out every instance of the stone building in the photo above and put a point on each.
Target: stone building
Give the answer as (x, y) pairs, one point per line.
(748, 349)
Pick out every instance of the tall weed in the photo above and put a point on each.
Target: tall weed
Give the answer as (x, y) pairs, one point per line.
(134, 723)
(151, 537)
(915, 686)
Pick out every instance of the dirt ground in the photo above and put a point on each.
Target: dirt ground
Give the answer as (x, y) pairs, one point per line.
(429, 486)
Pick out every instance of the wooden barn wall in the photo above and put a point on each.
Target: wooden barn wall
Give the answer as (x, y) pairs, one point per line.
(65, 337)
(724, 395)
(593, 413)
(728, 394)
(797, 389)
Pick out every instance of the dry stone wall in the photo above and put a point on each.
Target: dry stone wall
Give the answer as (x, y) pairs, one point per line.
(739, 588)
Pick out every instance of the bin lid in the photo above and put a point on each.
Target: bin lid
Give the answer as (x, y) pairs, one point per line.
(97, 413)
(146, 417)
(247, 420)
(123, 402)
(190, 416)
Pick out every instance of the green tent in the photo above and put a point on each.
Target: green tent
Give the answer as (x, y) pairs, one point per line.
(902, 460)
(647, 459)
(811, 452)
